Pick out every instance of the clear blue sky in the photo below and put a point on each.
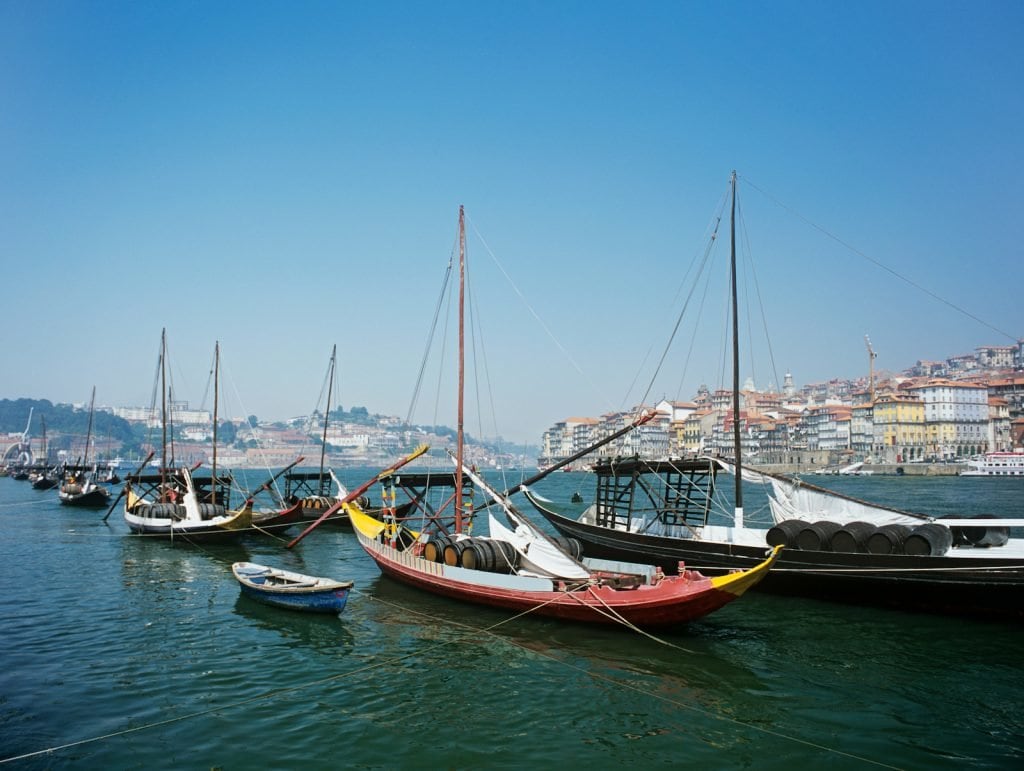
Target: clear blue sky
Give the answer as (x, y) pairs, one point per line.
(285, 176)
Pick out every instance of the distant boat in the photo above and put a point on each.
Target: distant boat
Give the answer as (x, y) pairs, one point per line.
(181, 515)
(854, 469)
(174, 503)
(996, 464)
(313, 491)
(46, 478)
(285, 589)
(79, 487)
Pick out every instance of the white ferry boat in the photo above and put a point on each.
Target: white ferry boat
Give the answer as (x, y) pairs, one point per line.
(996, 464)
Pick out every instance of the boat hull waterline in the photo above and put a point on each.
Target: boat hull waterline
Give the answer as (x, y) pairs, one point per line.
(675, 599)
(289, 590)
(981, 585)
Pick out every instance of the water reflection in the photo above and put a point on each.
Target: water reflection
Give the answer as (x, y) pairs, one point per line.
(323, 632)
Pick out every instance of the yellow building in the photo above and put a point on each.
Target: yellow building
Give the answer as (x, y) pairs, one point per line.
(899, 434)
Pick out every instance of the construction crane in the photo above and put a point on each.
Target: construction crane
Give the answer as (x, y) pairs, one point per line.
(871, 368)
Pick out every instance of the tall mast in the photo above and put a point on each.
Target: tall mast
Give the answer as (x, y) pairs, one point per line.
(163, 409)
(88, 433)
(216, 391)
(738, 513)
(327, 417)
(462, 374)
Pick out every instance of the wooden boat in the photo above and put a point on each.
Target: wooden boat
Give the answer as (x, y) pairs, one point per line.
(285, 589)
(837, 548)
(317, 491)
(175, 504)
(522, 569)
(290, 511)
(517, 566)
(181, 508)
(80, 487)
(44, 475)
(46, 478)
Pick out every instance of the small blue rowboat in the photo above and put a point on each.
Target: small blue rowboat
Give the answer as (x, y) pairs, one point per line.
(291, 590)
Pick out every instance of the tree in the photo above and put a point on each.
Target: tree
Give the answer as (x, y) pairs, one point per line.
(253, 421)
(226, 432)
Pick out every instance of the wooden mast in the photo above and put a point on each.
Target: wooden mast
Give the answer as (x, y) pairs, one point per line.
(462, 374)
(738, 512)
(88, 433)
(163, 413)
(216, 390)
(327, 417)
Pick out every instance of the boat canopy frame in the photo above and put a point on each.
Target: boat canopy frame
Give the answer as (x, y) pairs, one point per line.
(155, 487)
(430, 500)
(675, 493)
(300, 484)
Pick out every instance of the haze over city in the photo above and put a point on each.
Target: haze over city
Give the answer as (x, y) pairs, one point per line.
(282, 179)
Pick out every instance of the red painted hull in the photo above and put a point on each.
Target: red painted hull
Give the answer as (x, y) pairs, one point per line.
(673, 600)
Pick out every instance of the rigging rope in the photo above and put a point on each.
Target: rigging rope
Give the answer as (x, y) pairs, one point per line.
(880, 264)
(699, 267)
(536, 316)
(430, 335)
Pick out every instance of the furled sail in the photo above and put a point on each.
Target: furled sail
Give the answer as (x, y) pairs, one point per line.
(539, 553)
(797, 499)
(794, 500)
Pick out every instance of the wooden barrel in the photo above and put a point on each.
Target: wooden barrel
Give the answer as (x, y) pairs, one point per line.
(993, 536)
(931, 539)
(816, 536)
(433, 550)
(211, 510)
(981, 536)
(570, 546)
(785, 533)
(478, 555)
(852, 537)
(506, 558)
(888, 539)
(453, 552)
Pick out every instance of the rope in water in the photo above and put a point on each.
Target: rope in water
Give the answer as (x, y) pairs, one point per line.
(471, 632)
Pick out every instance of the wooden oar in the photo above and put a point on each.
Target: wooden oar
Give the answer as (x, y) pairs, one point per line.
(120, 495)
(362, 489)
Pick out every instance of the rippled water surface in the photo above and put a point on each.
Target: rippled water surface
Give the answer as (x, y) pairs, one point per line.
(124, 652)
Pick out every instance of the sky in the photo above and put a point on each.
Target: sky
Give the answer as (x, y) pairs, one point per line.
(283, 177)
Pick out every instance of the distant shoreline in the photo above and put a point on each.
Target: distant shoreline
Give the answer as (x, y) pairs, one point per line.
(880, 469)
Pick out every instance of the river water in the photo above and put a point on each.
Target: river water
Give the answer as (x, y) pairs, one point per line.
(126, 652)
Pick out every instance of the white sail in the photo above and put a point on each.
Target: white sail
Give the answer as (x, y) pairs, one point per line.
(792, 500)
(538, 553)
(795, 499)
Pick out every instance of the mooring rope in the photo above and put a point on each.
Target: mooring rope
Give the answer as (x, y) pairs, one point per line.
(471, 632)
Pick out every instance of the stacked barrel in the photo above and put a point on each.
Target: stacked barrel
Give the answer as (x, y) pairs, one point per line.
(932, 539)
(486, 554)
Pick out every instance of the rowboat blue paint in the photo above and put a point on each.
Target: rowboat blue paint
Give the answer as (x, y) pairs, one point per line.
(285, 589)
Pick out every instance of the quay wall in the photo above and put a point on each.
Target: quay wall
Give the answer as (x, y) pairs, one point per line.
(881, 469)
